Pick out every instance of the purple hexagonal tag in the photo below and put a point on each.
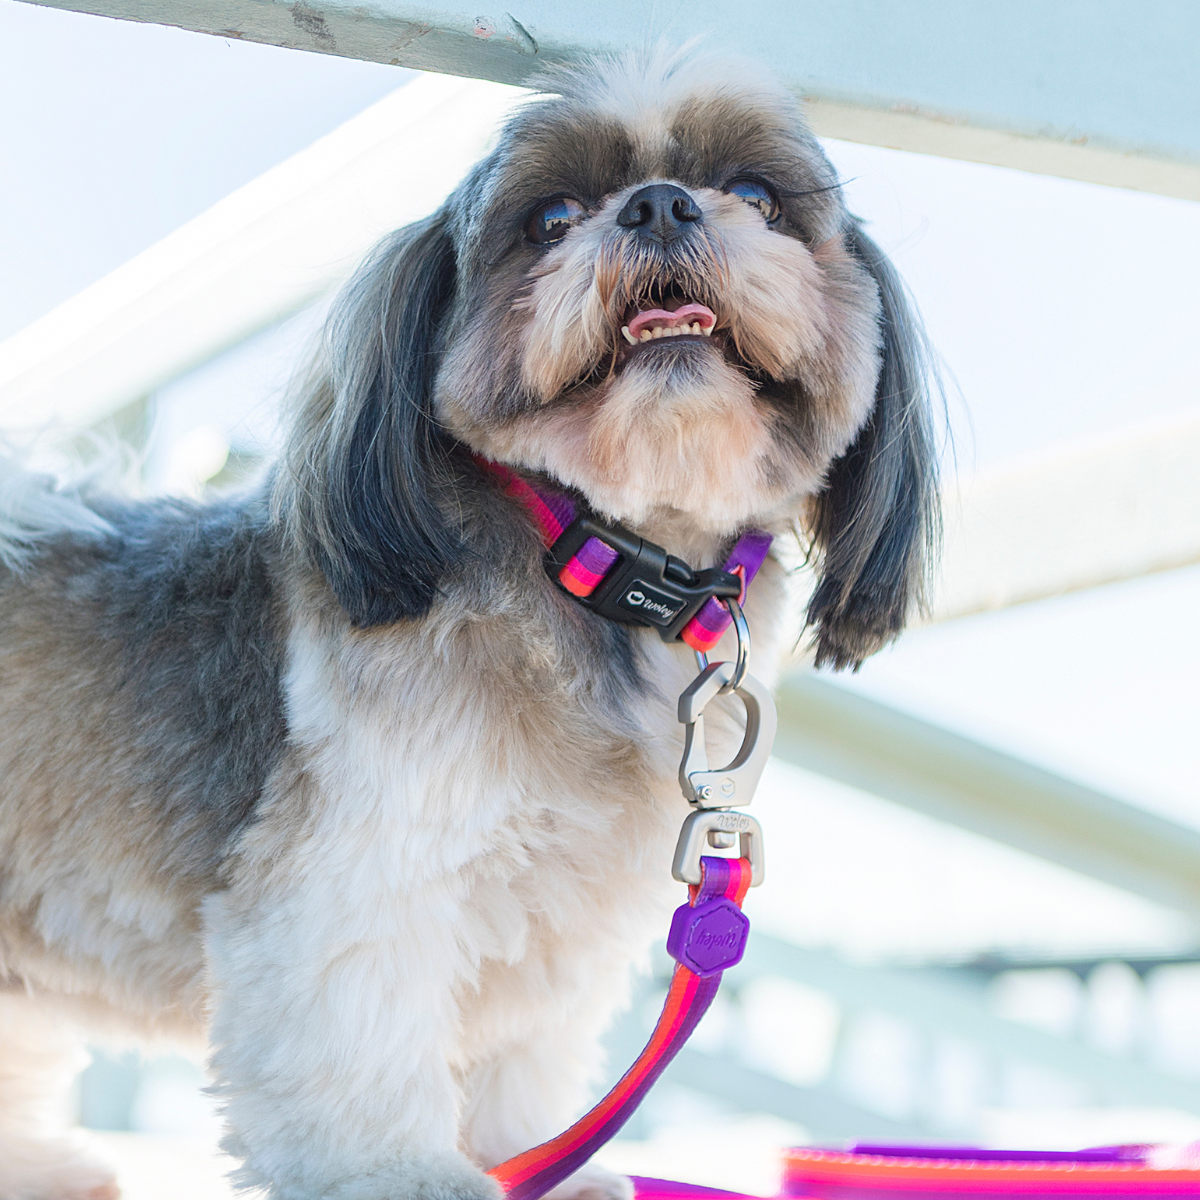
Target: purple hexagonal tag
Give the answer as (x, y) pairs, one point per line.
(709, 937)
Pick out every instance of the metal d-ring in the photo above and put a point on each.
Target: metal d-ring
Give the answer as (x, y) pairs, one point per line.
(743, 649)
(743, 646)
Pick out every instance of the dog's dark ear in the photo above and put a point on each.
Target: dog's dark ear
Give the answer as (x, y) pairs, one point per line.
(371, 470)
(877, 523)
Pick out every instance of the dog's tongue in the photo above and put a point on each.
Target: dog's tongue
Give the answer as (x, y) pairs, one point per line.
(685, 314)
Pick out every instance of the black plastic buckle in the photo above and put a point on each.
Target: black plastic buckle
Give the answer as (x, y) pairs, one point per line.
(646, 585)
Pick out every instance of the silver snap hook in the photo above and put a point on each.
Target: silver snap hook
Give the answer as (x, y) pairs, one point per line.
(733, 784)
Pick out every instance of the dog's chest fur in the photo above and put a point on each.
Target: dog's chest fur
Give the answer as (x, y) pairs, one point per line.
(479, 764)
(504, 769)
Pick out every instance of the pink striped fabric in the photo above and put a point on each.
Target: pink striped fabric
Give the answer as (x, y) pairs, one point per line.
(587, 569)
(554, 511)
(704, 630)
(964, 1173)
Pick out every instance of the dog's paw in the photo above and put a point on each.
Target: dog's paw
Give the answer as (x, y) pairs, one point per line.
(592, 1182)
(424, 1177)
(53, 1170)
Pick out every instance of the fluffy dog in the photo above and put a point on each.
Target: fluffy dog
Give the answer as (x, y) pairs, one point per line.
(332, 774)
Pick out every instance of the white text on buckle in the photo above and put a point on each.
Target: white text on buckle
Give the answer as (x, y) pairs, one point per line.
(640, 600)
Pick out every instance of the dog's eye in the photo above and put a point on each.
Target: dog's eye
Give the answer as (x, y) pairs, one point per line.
(757, 194)
(551, 220)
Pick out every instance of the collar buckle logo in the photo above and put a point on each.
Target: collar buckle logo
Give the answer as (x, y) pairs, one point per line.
(670, 592)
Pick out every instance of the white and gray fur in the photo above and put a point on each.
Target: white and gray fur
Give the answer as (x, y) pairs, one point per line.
(331, 776)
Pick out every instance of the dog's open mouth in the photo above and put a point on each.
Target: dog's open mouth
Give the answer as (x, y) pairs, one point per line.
(679, 321)
(668, 316)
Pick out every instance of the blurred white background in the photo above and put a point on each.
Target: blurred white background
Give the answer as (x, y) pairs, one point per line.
(1063, 313)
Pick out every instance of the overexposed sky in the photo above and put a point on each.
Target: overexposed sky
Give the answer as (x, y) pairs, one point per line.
(115, 133)
(1062, 310)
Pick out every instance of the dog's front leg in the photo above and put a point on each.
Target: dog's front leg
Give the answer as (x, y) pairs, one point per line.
(547, 1053)
(530, 1095)
(333, 1012)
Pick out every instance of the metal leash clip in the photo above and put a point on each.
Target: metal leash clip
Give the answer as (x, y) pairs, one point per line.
(713, 792)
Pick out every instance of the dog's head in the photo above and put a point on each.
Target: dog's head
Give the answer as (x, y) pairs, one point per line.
(651, 291)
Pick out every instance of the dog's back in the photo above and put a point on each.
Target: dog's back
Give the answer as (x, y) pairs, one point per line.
(140, 714)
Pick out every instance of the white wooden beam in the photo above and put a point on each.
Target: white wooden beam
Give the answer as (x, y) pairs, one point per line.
(1118, 508)
(1108, 93)
(931, 133)
(842, 735)
(263, 252)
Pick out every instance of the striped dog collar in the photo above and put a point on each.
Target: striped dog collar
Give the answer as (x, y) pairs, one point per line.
(626, 578)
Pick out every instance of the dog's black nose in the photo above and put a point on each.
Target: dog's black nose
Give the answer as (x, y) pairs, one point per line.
(661, 211)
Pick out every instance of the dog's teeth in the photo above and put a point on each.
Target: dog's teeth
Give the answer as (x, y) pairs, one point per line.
(665, 331)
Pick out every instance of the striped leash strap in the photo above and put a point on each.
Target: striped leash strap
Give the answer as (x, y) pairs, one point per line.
(708, 935)
(554, 511)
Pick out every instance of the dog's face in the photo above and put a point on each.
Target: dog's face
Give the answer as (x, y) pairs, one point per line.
(657, 304)
(651, 291)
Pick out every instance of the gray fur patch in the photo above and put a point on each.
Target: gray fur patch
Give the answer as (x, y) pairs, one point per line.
(180, 605)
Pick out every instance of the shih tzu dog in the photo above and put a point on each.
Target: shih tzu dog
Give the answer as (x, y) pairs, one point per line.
(332, 775)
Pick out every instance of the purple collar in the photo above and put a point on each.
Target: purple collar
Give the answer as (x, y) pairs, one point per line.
(626, 578)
